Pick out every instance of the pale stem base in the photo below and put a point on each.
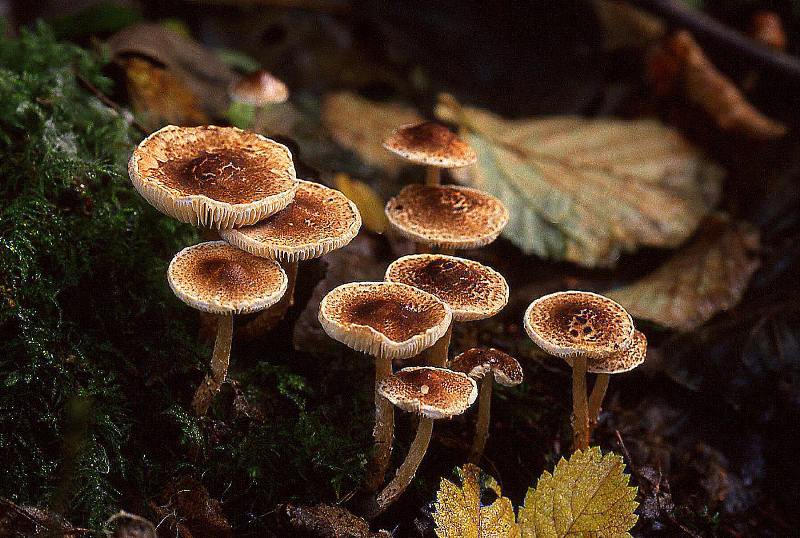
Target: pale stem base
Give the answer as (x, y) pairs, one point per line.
(383, 432)
(220, 359)
(407, 470)
(484, 414)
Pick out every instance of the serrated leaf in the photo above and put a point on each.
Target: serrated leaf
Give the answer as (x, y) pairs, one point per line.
(459, 512)
(587, 495)
(370, 205)
(586, 190)
(708, 276)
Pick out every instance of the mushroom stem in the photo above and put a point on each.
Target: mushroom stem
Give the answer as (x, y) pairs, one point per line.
(437, 353)
(447, 251)
(596, 399)
(482, 426)
(433, 175)
(258, 119)
(383, 431)
(407, 470)
(219, 366)
(580, 409)
(269, 318)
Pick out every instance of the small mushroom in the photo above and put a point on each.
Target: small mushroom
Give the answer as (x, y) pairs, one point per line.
(505, 370)
(432, 145)
(217, 278)
(472, 291)
(259, 89)
(432, 393)
(579, 325)
(388, 321)
(449, 217)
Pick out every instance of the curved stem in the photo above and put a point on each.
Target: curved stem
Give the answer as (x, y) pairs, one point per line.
(596, 399)
(219, 366)
(437, 354)
(580, 409)
(433, 175)
(267, 320)
(383, 431)
(482, 426)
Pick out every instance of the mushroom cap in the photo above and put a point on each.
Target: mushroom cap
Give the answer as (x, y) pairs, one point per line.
(471, 290)
(318, 221)
(384, 319)
(258, 89)
(447, 215)
(218, 278)
(431, 144)
(431, 392)
(578, 323)
(621, 361)
(219, 177)
(477, 362)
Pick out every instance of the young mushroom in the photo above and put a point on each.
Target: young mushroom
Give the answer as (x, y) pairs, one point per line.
(448, 217)
(319, 221)
(472, 291)
(388, 321)
(432, 145)
(217, 278)
(505, 370)
(432, 393)
(258, 90)
(579, 325)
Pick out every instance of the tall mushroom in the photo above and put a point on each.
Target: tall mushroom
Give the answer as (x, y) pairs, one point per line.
(472, 291)
(319, 221)
(477, 363)
(388, 321)
(432, 145)
(432, 393)
(579, 325)
(259, 90)
(217, 278)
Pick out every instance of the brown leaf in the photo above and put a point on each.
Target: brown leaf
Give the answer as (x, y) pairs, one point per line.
(679, 66)
(26, 521)
(188, 511)
(708, 276)
(326, 521)
(767, 29)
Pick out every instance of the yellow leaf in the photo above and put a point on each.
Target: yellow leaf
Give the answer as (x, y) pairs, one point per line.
(369, 204)
(586, 190)
(587, 495)
(459, 513)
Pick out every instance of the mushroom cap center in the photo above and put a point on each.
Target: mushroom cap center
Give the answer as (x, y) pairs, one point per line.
(211, 167)
(227, 271)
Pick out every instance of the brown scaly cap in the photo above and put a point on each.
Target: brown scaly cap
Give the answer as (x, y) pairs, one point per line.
(318, 221)
(471, 290)
(430, 144)
(384, 319)
(622, 361)
(431, 392)
(575, 323)
(258, 89)
(477, 362)
(218, 278)
(219, 177)
(447, 216)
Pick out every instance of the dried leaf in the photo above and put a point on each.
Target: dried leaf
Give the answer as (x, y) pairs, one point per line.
(360, 125)
(585, 190)
(708, 276)
(587, 495)
(189, 512)
(459, 512)
(680, 66)
(767, 28)
(328, 521)
(370, 205)
(627, 26)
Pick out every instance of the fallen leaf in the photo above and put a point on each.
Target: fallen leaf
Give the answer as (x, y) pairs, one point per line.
(767, 28)
(21, 520)
(327, 521)
(370, 205)
(460, 513)
(360, 125)
(706, 277)
(627, 26)
(187, 511)
(587, 495)
(586, 190)
(679, 66)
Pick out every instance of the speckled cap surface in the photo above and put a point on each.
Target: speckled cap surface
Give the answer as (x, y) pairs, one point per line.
(621, 361)
(431, 392)
(576, 323)
(218, 177)
(218, 278)
(477, 362)
(472, 290)
(318, 221)
(447, 216)
(384, 319)
(431, 144)
(258, 89)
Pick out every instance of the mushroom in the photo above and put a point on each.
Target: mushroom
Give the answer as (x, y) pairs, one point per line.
(472, 291)
(449, 217)
(319, 221)
(217, 177)
(259, 90)
(433, 145)
(579, 325)
(217, 278)
(388, 321)
(505, 370)
(432, 393)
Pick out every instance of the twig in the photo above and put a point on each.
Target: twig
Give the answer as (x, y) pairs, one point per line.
(106, 100)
